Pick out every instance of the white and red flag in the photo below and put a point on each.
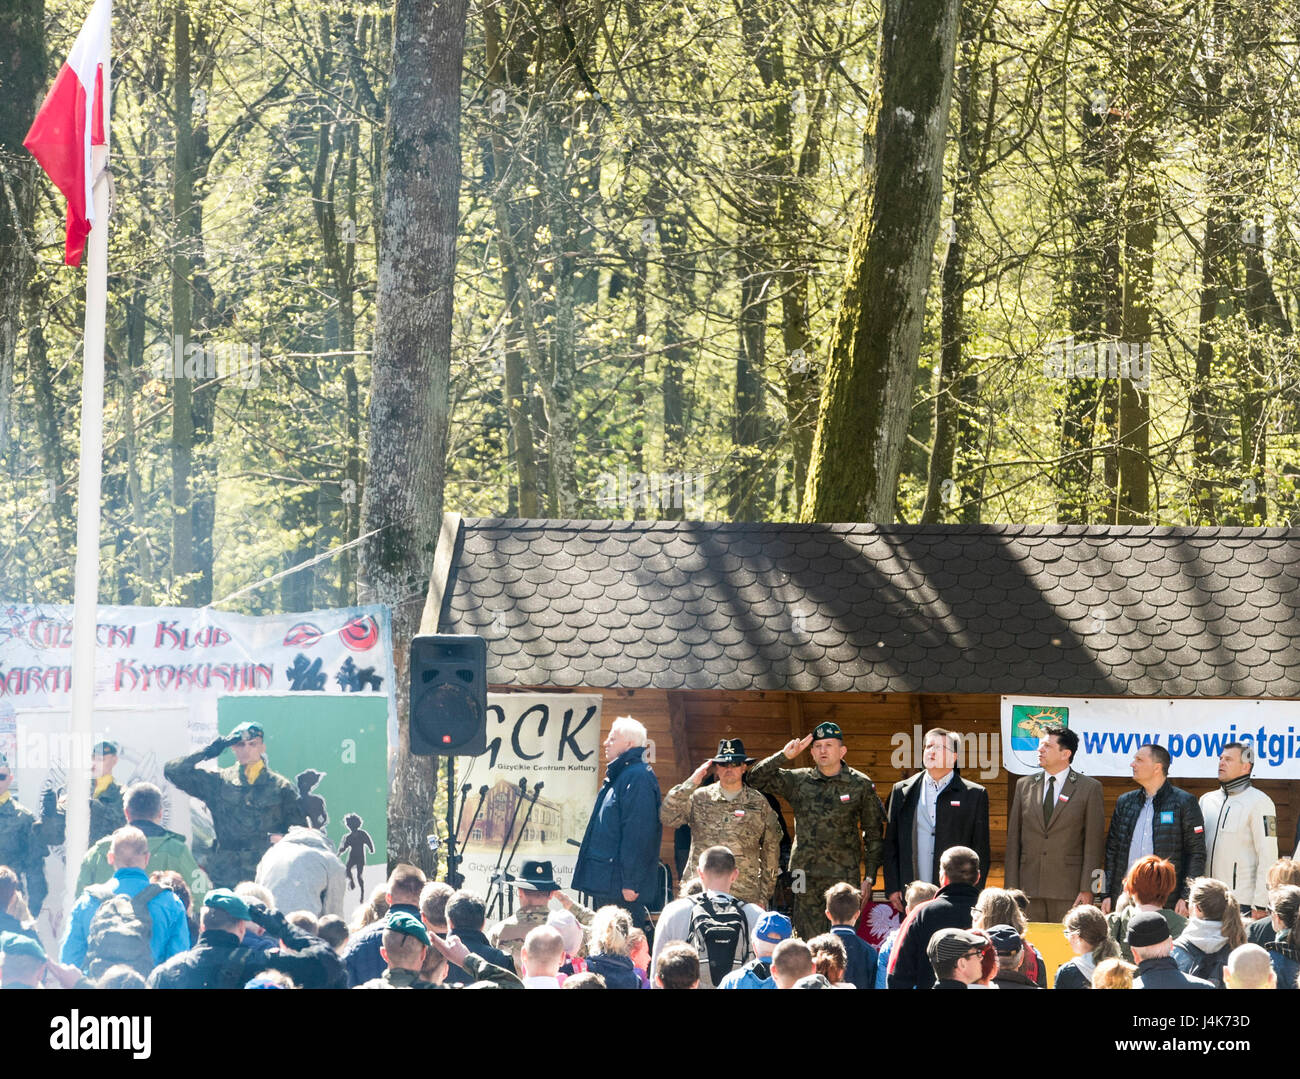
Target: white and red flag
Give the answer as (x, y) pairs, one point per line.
(73, 119)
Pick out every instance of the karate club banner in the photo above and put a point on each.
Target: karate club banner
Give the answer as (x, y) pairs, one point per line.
(168, 679)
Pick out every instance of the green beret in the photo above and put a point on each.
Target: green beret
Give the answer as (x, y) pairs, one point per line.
(827, 730)
(226, 900)
(400, 921)
(20, 944)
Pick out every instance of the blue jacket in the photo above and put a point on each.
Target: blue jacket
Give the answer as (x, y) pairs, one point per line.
(756, 974)
(171, 929)
(621, 846)
(861, 969)
(1285, 957)
(362, 957)
(1163, 973)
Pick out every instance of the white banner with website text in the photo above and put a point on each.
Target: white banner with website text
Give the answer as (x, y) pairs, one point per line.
(1194, 732)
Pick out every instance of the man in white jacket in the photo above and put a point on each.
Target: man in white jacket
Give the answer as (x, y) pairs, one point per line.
(303, 873)
(1240, 830)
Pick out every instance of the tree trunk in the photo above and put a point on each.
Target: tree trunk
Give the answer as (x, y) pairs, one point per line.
(408, 414)
(22, 78)
(1142, 208)
(945, 468)
(867, 398)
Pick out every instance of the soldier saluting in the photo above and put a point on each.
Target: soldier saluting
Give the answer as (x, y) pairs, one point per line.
(729, 814)
(837, 815)
(252, 806)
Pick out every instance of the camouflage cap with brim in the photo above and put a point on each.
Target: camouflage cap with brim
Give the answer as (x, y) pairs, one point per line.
(223, 899)
(827, 730)
(247, 731)
(400, 921)
(104, 749)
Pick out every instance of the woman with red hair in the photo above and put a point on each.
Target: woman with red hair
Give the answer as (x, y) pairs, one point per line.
(1150, 881)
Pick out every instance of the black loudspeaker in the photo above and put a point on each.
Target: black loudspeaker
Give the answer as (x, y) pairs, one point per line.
(448, 695)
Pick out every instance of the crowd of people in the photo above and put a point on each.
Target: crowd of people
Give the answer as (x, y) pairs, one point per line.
(1176, 893)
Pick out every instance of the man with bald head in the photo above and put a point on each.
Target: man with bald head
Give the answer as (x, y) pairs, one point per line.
(540, 958)
(134, 901)
(1249, 967)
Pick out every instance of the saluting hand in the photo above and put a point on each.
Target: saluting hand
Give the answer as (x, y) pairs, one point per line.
(796, 746)
(701, 773)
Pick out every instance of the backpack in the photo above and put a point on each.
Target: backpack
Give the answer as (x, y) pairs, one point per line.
(719, 933)
(120, 931)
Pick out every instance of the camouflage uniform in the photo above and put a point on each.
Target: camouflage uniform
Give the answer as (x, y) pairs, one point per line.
(244, 815)
(833, 818)
(508, 934)
(22, 850)
(107, 815)
(748, 826)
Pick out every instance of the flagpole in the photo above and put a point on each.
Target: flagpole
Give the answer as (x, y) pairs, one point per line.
(86, 595)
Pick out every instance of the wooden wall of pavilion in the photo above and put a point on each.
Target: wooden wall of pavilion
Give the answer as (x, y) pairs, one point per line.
(686, 727)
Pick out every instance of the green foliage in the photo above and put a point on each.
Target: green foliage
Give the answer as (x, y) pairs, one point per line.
(643, 185)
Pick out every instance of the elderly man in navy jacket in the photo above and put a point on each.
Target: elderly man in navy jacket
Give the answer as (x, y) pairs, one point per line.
(619, 860)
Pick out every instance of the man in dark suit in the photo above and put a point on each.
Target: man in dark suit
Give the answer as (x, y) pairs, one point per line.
(931, 812)
(1055, 831)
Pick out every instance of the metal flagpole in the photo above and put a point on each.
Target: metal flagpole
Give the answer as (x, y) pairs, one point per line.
(86, 596)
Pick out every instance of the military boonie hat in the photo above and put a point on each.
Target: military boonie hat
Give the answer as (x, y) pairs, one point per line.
(535, 877)
(247, 731)
(104, 749)
(827, 730)
(400, 921)
(732, 751)
(19, 944)
(223, 899)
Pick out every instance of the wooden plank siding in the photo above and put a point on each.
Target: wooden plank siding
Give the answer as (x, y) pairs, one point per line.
(686, 726)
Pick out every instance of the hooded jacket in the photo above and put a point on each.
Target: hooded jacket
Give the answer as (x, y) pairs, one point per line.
(303, 873)
(167, 850)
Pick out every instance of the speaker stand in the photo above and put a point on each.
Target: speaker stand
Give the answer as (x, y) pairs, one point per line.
(454, 877)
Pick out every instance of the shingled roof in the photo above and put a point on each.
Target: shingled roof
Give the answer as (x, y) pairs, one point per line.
(1073, 610)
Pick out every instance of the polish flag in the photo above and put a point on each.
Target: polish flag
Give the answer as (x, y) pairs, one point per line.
(73, 119)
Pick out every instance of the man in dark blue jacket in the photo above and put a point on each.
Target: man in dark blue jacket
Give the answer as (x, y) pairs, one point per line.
(1148, 937)
(1158, 819)
(619, 860)
(405, 883)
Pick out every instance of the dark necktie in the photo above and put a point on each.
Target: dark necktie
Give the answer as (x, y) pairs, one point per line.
(1049, 799)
